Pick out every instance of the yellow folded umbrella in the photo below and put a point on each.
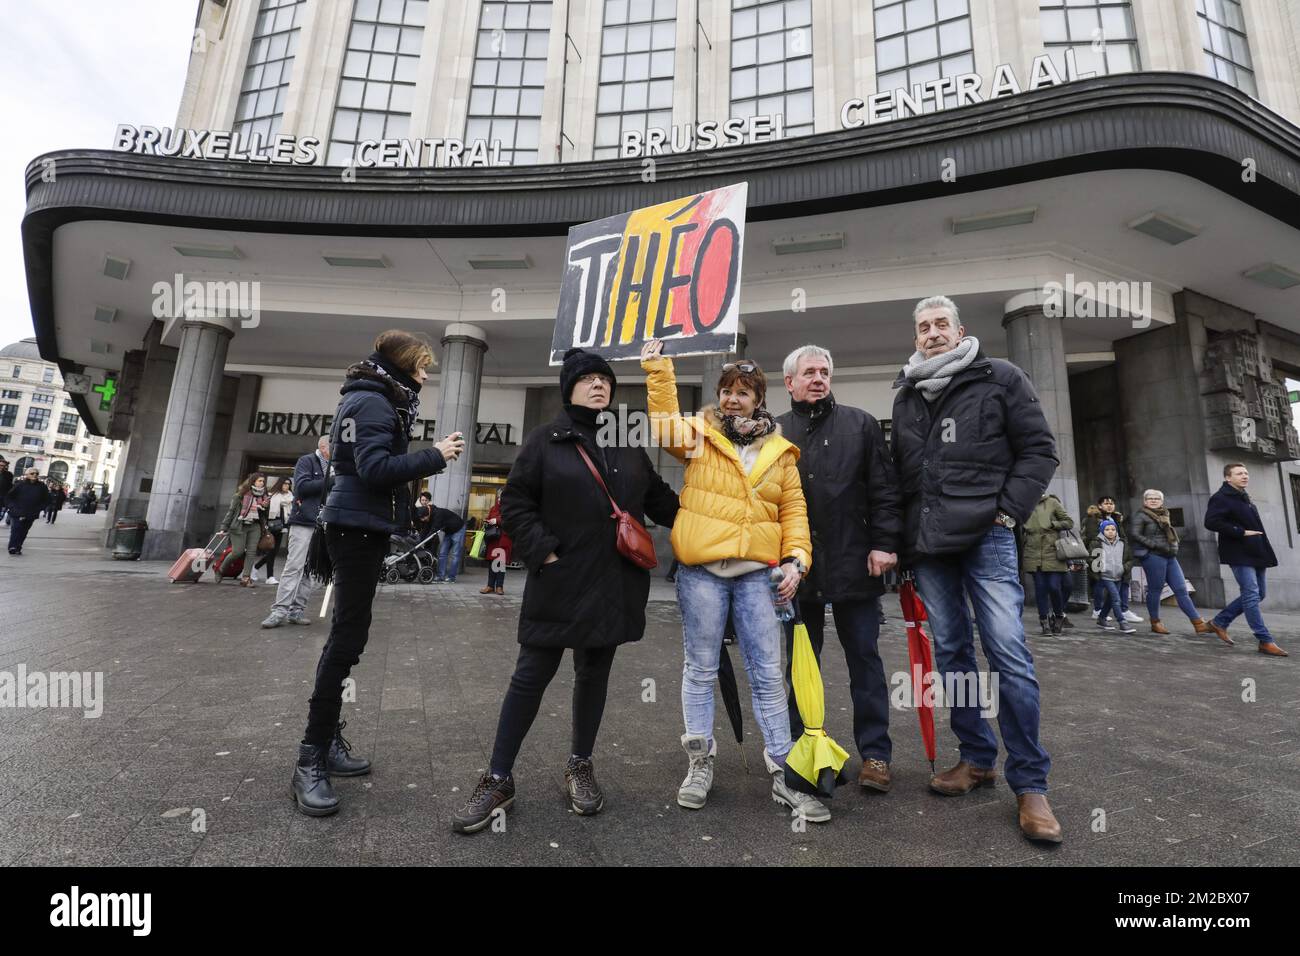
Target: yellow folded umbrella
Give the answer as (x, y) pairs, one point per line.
(815, 764)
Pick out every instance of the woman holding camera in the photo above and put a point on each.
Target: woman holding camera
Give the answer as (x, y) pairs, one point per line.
(743, 510)
(369, 500)
(581, 592)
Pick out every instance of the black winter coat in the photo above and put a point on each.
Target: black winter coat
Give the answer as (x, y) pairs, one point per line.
(6, 483)
(1231, 514)
(27, 499)
(852, 494)
(308, 486)
(999, 455)
(445, 520)
(592, 596)
(371, 471)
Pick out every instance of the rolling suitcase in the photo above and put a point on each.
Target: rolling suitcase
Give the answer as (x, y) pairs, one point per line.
(189, 567)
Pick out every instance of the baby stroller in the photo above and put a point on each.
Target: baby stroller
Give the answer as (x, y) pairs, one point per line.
(409, 560)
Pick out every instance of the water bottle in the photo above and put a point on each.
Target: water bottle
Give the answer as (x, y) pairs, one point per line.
(784, 609)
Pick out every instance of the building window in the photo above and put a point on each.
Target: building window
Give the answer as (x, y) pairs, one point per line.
(505, 97)
(922, 40)
(23, 464)
(10, 393)
(771, 62)
(1223, 37)
(38, 419)
(18, 371)
(47, 376)
(68, 423)
(69, 403)
(8, 415)
(636, 70)
(43, 398)
(270, 61)
(377, 88)
(6, 439)
(64, 445)
(32, 442)
(1100, 32)
(59, 470)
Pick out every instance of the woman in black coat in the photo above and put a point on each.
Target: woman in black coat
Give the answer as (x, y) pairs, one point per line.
(580, 592)
(368, 501)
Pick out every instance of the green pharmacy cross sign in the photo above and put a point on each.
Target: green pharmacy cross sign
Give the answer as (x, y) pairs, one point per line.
(106, 392)
(1293, 397)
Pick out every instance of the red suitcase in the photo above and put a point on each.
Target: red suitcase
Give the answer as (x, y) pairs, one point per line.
(189, 567)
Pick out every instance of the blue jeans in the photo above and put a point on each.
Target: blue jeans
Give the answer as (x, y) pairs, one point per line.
(1251, 582)
(858, 625)
(1160, 570)
(705, 601)
(1099, 593)
(1111, 603)
(450, 552)
(1047, 589)
(989, 574)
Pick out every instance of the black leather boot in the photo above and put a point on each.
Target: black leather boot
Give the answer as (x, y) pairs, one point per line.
(311, 787)
(1045, 625)
(341, 762)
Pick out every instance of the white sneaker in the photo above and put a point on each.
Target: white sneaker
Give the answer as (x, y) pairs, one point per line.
(272, 581)
(1131, 617)
(254, 576)
(1096, 612)
(694, 791)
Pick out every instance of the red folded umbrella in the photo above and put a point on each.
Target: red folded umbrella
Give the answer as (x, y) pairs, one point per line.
(921, 657)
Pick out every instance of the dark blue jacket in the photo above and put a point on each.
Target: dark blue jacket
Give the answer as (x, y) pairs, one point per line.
(308, 485)
(27, 499)
(1231, 514)
(372, 468)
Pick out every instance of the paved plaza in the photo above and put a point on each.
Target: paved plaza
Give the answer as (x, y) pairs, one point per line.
(189, 762)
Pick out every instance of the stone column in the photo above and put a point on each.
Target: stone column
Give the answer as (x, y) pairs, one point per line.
(461, 375)
(186, 437)
(1036, 343)
(713, 368)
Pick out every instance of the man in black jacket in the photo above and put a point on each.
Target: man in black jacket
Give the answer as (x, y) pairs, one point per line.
(25, 501)
(294, 589)
(974, 454)
(855, 519)
(6, 482)
(1244, 547)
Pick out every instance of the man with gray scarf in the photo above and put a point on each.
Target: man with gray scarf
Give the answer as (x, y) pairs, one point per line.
(974, 453)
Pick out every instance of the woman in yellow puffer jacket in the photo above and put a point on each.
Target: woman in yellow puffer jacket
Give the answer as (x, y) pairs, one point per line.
(742, 510)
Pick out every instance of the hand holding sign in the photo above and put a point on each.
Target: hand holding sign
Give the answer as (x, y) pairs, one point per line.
(652, 349)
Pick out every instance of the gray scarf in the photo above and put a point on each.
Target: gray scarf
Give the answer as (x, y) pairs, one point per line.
(930, 376)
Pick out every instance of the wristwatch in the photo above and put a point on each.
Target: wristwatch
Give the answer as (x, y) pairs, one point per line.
(1005, 520)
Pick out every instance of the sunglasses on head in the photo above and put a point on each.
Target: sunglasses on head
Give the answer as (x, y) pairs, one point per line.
(748, 368)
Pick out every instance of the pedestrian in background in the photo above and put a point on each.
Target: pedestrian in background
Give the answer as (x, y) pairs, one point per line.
(369, 500)
(245, 522)
(452, 545)
(6, 482)
(1155, 544)
(277, 518)
(58, 495)
(1039, 559)
(497, 548)
(1112, 562)
(295, 587)
(26, 499)
(1243, 547)
(1102, 510)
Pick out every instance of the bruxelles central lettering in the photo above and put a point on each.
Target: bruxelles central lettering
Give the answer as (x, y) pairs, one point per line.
(298, 423)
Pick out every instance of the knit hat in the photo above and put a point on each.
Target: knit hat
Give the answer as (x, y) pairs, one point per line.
(579, 362)
(1101, 528)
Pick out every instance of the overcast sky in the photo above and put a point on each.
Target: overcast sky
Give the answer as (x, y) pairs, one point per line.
(70, 71)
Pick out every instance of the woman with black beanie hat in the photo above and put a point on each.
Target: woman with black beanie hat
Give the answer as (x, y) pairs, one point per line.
(581, 593)
(368, 501)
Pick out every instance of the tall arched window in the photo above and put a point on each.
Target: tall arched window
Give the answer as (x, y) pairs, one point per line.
(27, 461)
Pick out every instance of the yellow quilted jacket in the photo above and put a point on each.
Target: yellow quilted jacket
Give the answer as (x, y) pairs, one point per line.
(726, 514)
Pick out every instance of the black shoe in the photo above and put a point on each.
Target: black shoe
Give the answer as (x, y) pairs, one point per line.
(1045, 625)
(311, 787)
(1055, 623)
(490, 795)
(1065, 623)
(584, 792)
(340, 761)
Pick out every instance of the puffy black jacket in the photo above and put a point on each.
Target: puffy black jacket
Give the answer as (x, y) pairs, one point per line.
(852, 494)
(6, 482)
(1231, 514)
(982, 447)
(592, 596)
(372, 469)
(27, 499)
(308, 486)
(445, 520)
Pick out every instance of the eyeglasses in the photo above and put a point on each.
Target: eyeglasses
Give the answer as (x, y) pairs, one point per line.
(748, 368)
(593, 377)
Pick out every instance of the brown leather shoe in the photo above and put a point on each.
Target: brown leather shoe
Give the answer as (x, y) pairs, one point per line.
(1200, 626)
(962, 779)
(1273, 650)
(1223, 634)
(486, 590)
(875, 775)
(1158, 628)
(1036, 819)
(501, 590)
